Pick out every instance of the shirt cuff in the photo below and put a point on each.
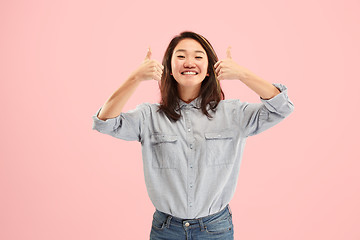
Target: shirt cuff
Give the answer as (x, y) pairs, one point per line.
(276, 102)
(101, 125)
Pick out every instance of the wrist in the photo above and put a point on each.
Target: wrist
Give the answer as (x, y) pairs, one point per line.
(245, 76)
(134, 78)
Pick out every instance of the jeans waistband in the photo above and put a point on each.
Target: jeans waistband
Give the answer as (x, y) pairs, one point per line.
(197, 222)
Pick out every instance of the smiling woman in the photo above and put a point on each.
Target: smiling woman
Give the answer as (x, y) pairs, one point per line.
(192, 142)
(189, 68)
(189, 52)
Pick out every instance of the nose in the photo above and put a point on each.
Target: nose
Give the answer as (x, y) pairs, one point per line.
(189, 63)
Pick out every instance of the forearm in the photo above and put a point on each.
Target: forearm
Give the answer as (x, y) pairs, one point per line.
(115, 103)
(263, 88)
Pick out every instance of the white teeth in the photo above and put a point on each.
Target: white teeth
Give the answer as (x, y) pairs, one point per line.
(189, 73)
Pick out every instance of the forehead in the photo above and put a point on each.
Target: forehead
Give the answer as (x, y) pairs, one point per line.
(189, 45)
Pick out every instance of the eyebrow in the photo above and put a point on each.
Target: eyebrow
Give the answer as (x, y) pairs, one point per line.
(183, 50)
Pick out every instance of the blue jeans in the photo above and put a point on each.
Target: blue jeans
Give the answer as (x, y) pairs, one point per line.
(215, 226)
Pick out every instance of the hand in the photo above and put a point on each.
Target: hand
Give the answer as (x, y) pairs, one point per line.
(229, 69)
(149, 69)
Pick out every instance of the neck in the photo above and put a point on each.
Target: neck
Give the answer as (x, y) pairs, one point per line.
(188, 94)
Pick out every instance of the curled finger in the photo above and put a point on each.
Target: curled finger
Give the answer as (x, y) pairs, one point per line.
(218, 69)
(217, 63)
(157, 76)
(159, 69)
(158, 64)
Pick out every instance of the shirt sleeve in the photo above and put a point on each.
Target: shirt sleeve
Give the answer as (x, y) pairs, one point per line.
(127, 126)
(257, 117)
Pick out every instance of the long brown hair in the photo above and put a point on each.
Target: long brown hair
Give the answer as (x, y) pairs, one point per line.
(210, 91)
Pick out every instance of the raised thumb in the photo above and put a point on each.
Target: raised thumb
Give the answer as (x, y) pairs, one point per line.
(148, 54)
(228, 53)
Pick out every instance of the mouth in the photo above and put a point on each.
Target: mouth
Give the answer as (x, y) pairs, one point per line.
(189, 73)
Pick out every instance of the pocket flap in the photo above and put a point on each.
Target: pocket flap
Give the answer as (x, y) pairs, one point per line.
(159, 138)
(219, 135)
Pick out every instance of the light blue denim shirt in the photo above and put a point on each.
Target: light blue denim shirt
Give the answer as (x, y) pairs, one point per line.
(191, 166)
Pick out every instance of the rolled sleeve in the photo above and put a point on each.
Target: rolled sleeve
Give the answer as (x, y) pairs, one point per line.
(258, 117)
(127, 126)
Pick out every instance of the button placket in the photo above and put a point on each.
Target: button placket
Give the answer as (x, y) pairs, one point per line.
(190, 178)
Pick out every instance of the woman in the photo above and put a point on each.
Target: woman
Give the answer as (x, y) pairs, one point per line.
(192, 142)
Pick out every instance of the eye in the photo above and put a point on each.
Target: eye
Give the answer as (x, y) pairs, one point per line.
(199, 57)
(180, 56)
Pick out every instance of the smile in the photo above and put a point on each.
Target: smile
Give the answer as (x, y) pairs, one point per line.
(189, 73)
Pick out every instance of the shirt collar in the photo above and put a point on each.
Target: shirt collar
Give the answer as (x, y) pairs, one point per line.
(196, 103)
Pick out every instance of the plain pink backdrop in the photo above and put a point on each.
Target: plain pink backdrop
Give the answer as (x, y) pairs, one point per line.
(61, 60)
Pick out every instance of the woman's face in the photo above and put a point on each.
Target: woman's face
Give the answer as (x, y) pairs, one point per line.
(189, 63)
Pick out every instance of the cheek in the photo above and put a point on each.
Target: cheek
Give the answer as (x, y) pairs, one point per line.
(173, 65)
(204, 67)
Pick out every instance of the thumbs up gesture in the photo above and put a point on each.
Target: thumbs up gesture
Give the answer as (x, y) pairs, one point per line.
(149, 69)
(229, 69)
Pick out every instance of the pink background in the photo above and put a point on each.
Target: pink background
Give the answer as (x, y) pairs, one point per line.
(61, 60)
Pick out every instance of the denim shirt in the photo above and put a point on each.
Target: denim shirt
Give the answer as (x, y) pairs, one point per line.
(191, 166)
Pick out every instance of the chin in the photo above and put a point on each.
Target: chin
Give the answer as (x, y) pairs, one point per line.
(189, 82)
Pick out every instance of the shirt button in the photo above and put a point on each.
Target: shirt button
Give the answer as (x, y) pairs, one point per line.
(189, 130)
(191, 146)
(187, 224)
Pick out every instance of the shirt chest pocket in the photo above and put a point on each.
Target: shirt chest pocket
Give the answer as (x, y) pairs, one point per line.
(220, 148)
(164, 149)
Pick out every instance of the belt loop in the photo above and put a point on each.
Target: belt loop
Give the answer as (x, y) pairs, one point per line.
(229, 209)
(202, 227)
(167, 224)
